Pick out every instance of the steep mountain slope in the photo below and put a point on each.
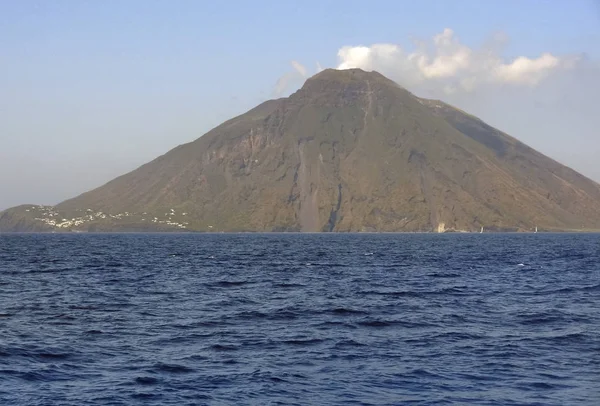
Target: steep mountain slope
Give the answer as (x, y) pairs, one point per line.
(349, 151)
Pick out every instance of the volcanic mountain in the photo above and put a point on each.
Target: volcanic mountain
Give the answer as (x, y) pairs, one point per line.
(350, 151)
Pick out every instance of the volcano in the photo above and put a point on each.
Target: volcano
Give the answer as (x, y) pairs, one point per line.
(351, 151)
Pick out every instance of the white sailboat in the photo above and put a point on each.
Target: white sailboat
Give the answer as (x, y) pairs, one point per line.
(481, 232)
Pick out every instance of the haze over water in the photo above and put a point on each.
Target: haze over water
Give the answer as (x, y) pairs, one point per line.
(300, 319)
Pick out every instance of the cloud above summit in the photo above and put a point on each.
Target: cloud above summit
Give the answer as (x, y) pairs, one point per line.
(453, 66)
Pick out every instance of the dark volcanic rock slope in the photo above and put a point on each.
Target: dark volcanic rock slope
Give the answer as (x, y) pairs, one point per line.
(349, 151)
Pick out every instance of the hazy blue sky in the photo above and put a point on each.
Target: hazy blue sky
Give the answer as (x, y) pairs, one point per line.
(92, 89)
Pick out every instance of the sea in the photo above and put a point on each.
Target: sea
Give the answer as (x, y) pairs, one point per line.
(300, 319)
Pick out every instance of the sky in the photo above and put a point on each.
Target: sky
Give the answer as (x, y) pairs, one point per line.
(91, 89)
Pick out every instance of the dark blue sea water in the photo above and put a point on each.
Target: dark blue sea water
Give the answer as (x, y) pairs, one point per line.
(373, 319)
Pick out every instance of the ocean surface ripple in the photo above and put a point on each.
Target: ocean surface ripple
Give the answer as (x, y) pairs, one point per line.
(298, 319)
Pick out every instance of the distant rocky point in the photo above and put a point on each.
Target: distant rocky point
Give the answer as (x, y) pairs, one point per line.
(351, 151)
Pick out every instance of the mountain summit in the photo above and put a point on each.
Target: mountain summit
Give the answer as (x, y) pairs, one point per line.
(350, 151)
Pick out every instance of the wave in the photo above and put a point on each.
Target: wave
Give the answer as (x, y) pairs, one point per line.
(171, 368)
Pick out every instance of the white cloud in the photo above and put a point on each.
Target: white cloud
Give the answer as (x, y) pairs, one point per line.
(451, 66)
(285, 81)
(451, 57)
(282, 84)
(527, 71)
(299, 68)
(356, 57)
